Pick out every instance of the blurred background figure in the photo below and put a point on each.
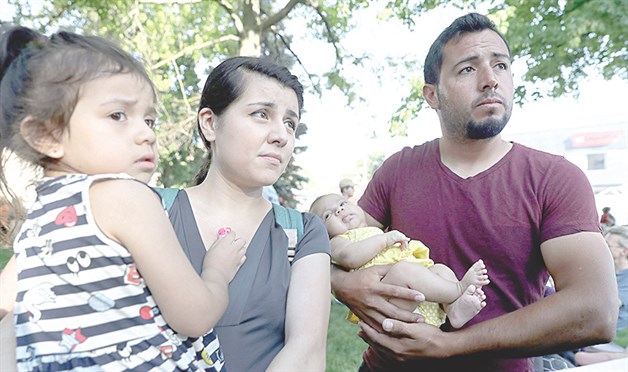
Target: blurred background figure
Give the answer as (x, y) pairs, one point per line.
(270, 194)
(347, 188)
(607, 220)
(617, 239)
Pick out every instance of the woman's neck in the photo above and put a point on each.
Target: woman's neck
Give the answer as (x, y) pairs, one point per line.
(217, 192)
(217, 204)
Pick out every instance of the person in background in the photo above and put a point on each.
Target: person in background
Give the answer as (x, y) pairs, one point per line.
(617, 239)
(270, 194)
(607, 220)
(347, 188)
(279, 304)
(448, 192)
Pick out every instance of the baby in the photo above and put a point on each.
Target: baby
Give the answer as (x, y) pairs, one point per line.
(355, 245)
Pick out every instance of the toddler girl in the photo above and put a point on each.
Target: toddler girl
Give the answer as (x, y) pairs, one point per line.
(99, 268)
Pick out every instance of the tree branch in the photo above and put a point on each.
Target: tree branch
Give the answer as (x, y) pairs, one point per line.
(226, 6)
(331, 36)
(277, 17)
(285, 43)
(181, 86)
(169, 1)
(237, 22)
(192, 48)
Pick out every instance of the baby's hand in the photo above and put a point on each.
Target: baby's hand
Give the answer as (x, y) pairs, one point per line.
(226, 255)
(393, 237)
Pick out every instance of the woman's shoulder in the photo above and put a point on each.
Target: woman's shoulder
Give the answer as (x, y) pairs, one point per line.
(315, 238)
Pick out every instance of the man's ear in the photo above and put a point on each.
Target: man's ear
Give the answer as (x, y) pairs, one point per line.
(430, 93)
(41, 137)
(207, 123)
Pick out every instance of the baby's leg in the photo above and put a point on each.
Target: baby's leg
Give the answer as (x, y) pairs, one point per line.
(466, 306)
(477, 275)
(418, 277)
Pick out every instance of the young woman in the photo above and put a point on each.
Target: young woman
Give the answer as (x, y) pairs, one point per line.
(279, 308)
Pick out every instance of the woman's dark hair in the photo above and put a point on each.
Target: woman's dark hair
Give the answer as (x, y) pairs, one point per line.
(227, 81)
(472, 22)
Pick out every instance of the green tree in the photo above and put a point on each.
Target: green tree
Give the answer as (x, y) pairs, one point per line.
(561, 41)
(180, 40)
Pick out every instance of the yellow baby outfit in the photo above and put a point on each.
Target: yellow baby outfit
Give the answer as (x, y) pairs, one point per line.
(417, 252)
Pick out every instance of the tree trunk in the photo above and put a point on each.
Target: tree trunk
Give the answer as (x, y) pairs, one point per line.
(251, 33)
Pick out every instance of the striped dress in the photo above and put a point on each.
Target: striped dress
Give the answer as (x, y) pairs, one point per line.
(81, 302)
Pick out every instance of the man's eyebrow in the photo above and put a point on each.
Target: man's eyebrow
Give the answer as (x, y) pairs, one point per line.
(475, 57)
(502, 55)
(292, 113)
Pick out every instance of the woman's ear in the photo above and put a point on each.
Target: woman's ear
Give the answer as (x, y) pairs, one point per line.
(430, 93)
(207, 123)
(40, 136)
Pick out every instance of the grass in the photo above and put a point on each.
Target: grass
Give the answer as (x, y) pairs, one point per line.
(5, 256)
(622, 338)
(344, 347)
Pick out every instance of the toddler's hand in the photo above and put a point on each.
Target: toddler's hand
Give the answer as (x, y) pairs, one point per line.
(226, 255)
(396, 237)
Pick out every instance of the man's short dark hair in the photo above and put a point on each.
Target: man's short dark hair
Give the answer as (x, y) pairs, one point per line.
(472, 22)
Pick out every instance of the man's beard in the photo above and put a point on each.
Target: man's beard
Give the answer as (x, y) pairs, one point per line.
(488, 128)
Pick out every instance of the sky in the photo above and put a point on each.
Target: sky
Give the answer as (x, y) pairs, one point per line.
(339, 137)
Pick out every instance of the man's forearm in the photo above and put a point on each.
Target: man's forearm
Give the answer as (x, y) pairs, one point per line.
(561, 321)
(337, 276)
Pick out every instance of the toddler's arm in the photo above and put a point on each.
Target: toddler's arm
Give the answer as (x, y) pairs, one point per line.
(130, 213)
(221, 263)
(352, 255)
(7, 343)
(8, 289)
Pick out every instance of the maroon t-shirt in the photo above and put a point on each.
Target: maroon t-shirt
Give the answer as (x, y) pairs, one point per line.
(501, 215)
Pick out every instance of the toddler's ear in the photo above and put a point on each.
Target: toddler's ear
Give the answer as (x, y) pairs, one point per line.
(41, 137)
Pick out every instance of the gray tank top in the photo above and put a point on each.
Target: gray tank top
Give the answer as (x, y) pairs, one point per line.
(251, 331)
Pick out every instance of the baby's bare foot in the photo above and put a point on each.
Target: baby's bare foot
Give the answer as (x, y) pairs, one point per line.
(477, 275)
(466, 306)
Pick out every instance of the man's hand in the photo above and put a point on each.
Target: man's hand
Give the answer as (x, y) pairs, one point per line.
(403, 341)
(364, 293)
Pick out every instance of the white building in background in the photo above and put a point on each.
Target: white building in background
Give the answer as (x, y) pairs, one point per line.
(600, 150)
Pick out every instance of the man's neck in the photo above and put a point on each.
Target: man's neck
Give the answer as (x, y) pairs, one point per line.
(471, 157)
